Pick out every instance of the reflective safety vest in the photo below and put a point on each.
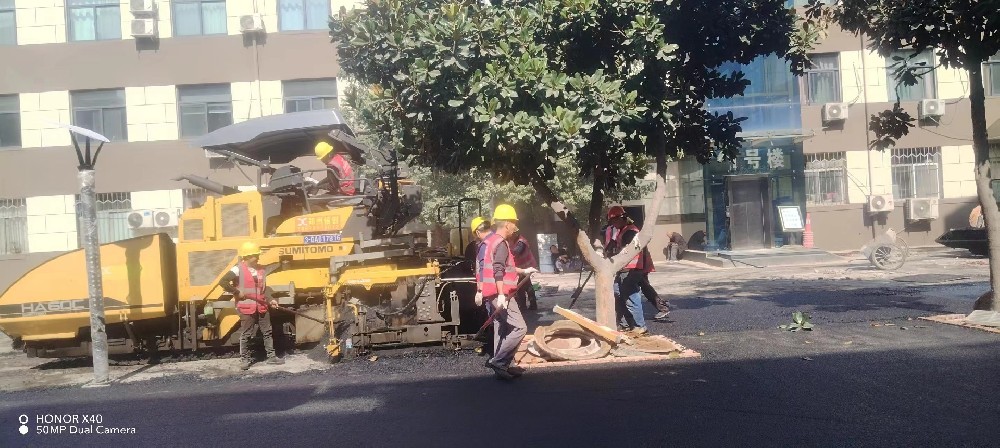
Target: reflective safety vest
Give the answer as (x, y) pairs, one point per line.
(345, 172)
(610, 234)
(637, 262)
(252, 288)
(488, 284)
(525, 259)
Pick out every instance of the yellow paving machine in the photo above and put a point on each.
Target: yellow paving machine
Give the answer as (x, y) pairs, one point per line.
(351, 271)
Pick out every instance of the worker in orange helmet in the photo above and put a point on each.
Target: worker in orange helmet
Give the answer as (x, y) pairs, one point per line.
(610, 233)
(341, 180)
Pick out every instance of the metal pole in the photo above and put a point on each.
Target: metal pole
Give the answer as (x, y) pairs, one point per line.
(91, 246)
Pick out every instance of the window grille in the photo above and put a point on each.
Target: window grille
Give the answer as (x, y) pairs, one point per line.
(13, 226)
(826, 178)
(916, 173)
(112, 217)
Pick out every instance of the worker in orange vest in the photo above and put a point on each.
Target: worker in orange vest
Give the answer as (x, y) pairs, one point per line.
(474, 253)
(341, 181)
(497, 282)
(524, 258)
(245, 282)
(628, 281)
(610, 248)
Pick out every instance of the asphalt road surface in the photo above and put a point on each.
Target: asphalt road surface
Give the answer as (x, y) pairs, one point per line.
(871, 374)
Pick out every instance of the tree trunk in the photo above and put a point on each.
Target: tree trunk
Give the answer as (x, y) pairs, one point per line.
(604, 283)
(605, 268)
(980, 144)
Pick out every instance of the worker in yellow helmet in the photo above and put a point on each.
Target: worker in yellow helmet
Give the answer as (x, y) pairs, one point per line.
(245, 282)
(341, 180)
(480, 228)
(498, 283)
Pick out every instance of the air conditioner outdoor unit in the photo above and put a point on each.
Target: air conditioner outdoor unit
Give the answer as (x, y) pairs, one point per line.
(165, 217)
(880, 203)
(834, 112)
(921, 209)
(141, 219)
(144, 28)
(931, 108)
(251, 23)
(142, 7)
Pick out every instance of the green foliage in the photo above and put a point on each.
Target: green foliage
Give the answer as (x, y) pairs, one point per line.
(557, 92)
(800, 321)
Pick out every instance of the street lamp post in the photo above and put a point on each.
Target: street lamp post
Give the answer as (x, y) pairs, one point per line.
(87, 217)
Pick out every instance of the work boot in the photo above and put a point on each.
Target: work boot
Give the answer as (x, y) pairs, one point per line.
(245, 364)
(638, 331)
(516, 371)
(275, 360)
(500, 372)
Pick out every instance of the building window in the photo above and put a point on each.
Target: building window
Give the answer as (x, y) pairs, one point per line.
(826, 178)
(198, 17)
(10, 121)
(316, 94)
(991, 70)
(204, 108)
(13, 226)
(93, 19)
(924, 88)
(916, 173)
(8, 23)
(297, 15)
(102, 111)
(112, 217)
(823, 79)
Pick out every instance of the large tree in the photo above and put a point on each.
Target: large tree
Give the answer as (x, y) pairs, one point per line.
(963, 34)
(514, 87)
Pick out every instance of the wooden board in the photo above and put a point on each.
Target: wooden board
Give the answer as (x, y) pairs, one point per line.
(959, 320)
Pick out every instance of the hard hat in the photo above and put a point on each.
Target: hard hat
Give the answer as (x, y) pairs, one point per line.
(249, 248)
(323, 149)
(615, 212)
(476, 222)
(504, 212)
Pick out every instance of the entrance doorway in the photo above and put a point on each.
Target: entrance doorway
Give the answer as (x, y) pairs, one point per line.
(749, 212)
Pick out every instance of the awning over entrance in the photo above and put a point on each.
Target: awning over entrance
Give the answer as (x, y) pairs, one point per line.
(763, 138)
(993, 132)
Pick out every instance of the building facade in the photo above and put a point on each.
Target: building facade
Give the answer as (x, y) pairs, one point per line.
(149, 75)
(807, 141)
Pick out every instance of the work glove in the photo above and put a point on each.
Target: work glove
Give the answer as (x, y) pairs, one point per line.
(530, 271)
(502, 302)
(479, 298)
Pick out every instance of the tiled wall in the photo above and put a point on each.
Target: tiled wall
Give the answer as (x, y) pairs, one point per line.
(38, 113)
(51, 223)
(958, 165)
(151, 113)
(859, 68)
(40, 21)
(255, 99)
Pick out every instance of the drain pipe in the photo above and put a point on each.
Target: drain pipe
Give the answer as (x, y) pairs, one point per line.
(868, 151)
